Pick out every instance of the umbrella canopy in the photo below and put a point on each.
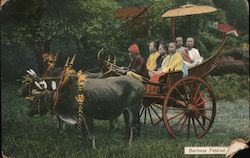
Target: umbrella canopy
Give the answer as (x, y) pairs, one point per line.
(189, 9)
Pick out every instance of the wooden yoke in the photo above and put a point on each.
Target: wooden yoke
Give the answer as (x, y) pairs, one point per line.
(63, 79)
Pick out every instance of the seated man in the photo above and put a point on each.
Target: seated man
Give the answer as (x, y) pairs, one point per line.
(191, 55)
(137, 67)
(179, 44)
(154, 54)
(179, 49)
(163, 50)
(173, 62)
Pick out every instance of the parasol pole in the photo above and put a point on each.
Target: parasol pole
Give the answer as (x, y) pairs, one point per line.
(173, 27)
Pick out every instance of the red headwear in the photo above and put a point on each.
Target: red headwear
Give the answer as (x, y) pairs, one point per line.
(134, 48)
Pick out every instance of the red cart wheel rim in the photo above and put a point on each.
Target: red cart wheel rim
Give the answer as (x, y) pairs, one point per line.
(189, 108)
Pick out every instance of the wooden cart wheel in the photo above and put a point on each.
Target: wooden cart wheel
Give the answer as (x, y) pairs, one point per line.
(189, 108)
(150, 114)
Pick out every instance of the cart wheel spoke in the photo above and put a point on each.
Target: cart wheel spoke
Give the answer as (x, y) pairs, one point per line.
(200, 123)
(186, 93)
(188, 126)
(197, 90)
(178, 102)
(176, 116)
(201, 95)
(143, 108)
(195, 130)
(158, 106)
(178, 122)
(175, 108)
(204, 122)
(150, 116)
(204, 109)
(145, 116)
(155, 113)
(181, 95)
(203, 116)
(185, 120)
(203, 102)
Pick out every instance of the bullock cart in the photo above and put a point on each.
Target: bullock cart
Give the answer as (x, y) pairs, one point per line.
(185, 105)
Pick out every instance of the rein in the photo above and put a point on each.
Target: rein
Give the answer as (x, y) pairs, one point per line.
(115, 68)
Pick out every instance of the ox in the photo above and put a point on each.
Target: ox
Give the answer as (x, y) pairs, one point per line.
(105, 99)
(28, 89)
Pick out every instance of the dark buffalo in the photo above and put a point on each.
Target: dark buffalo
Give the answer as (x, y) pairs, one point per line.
(28, 88)
(105, 99)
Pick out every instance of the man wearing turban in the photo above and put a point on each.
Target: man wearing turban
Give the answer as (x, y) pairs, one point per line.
(137, 67)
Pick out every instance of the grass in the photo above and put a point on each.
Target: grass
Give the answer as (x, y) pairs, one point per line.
(37, 137)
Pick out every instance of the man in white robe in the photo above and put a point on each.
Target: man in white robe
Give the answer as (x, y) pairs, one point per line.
(193, 53)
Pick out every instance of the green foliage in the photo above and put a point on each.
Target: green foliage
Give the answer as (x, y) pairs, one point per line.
(159, 27)
(229, 86)
(86, 26)
(235, 9)
(207, 43)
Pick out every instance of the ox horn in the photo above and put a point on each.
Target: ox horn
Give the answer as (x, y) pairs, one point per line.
(73, 59)
(35, 92)
(109, 58)
(114, 61)
(55, 57)
(44, 84)
(67, 62)
(38, 85)
(30, 73)
(53, 85)
(31, 70)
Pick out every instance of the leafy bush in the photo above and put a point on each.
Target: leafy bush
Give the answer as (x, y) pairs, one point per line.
(229, 86)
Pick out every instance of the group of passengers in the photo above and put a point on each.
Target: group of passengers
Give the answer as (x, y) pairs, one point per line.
(164, 57)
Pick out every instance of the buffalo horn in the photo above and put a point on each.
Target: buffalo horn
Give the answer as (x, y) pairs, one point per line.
(67, 62)
(38, 85)
(53, 85)
(73, 59)
(55, 57)
(44, 84)
(35, 92)
(29, 72)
